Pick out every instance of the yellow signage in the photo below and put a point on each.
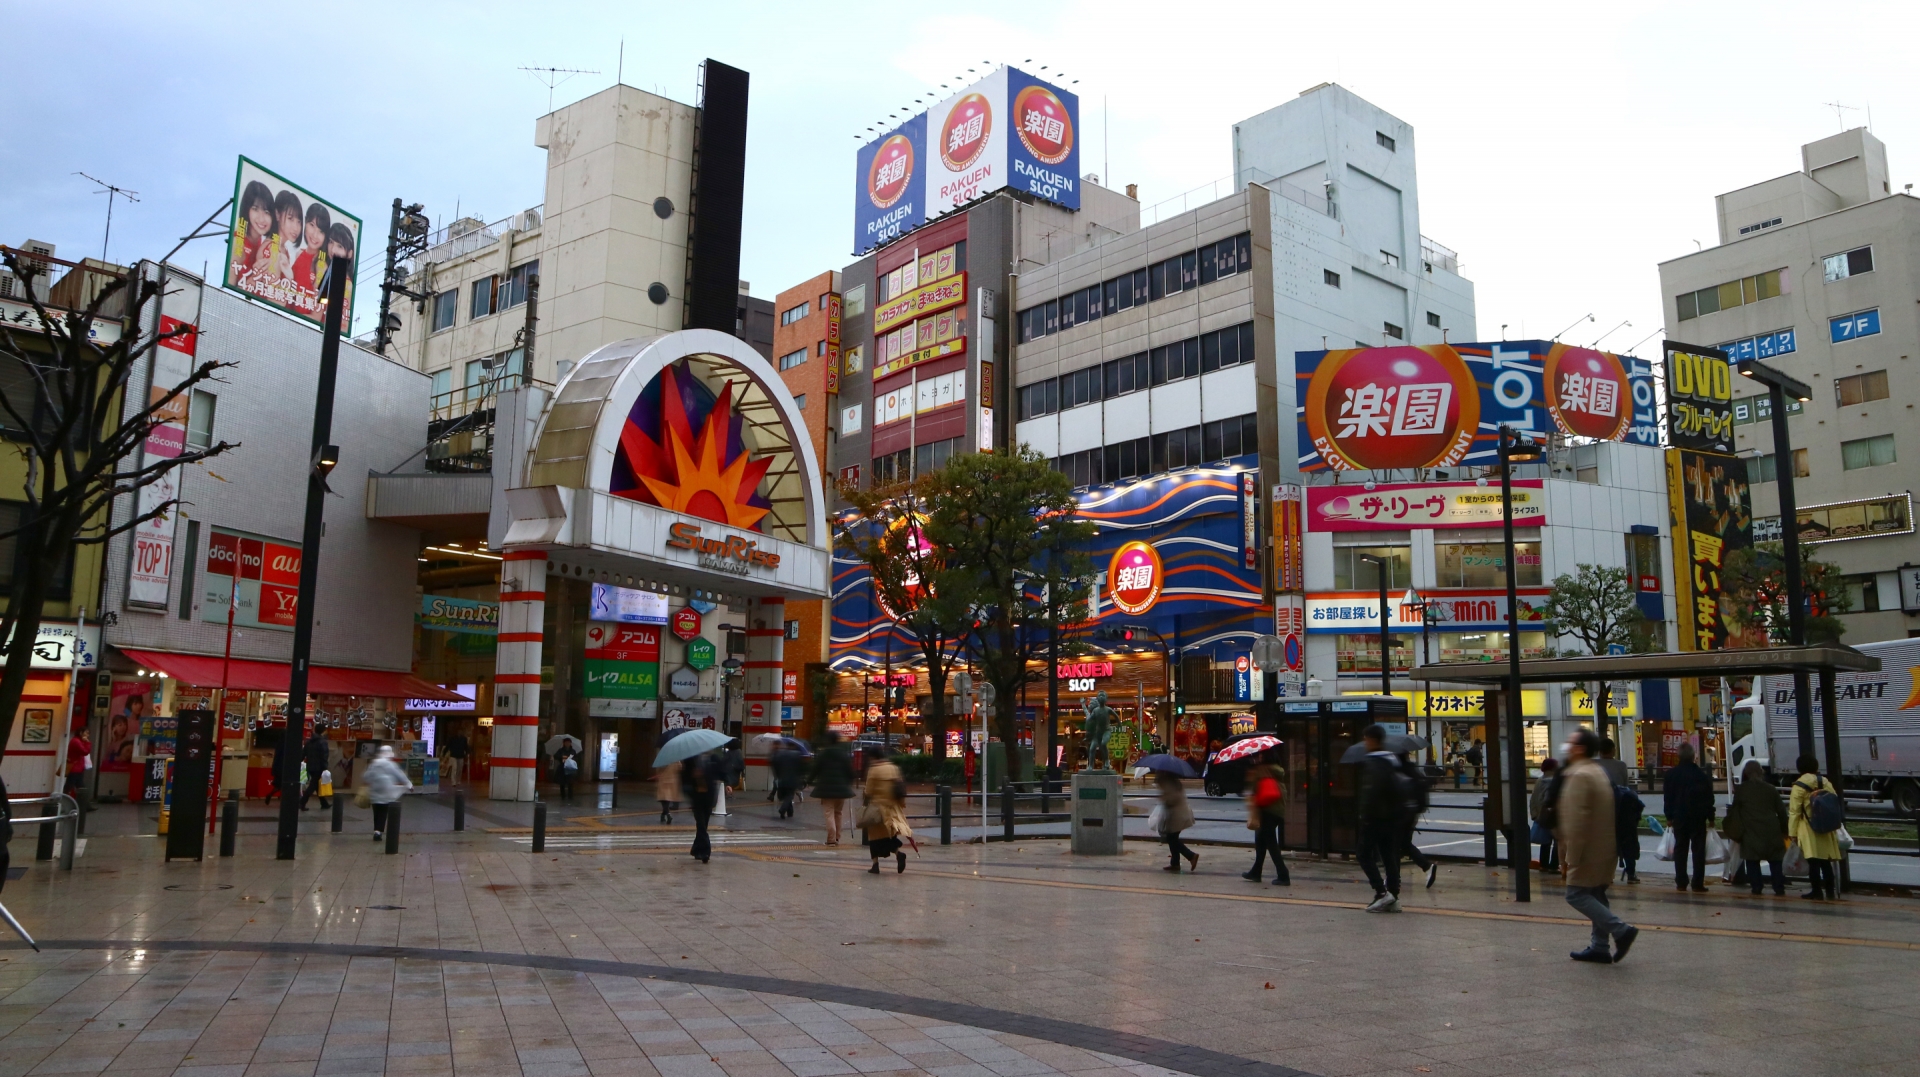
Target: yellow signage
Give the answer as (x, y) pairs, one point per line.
(1620, 702)
(925, 299)
(1450, 704)
(938, 351)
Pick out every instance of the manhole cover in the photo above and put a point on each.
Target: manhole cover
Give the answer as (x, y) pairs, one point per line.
(388, 908)
(193, 888)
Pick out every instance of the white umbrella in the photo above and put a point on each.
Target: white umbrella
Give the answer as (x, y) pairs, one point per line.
(554, 742)
(21, 931)
(689, 744)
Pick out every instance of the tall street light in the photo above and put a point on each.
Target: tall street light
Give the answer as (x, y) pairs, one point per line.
(1779, 387)
(1515, 446)
(1386, 656)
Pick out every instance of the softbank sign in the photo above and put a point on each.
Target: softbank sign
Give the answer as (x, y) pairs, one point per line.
(258, 576)
(1007, 130)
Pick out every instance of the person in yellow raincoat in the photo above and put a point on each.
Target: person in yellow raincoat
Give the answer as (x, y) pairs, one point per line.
(1821, 850)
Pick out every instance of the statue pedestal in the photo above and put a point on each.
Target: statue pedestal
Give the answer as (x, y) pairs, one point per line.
(1096, 813)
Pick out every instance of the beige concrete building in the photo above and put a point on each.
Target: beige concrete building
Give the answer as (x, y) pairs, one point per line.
(1816, 273)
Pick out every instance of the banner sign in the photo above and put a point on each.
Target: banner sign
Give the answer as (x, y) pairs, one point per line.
(448, 614)
(285, 243)
(1250, 519)
(1712, 517)
(54, 646)
(623, 643)
(1442, 405)
(833, 343)
(152, 570)
(1875, 517)
(609, 603)
(1289, 547)
(925, 299)
(1007, 130)
(1399, 506)
(621, 680)
(468, 693)
(1360, 612)
(262, 573)
(1699, 398)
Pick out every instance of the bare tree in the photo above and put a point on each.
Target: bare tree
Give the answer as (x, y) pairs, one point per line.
(65, 402)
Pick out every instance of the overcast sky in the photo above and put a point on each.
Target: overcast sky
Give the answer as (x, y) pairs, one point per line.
(1564, 150)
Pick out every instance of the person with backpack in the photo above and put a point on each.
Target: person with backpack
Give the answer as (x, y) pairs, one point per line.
(1384, 797)
(1585, 816)
(1815, 814)
(1422, 789)
(1540, 810)
(1688, 804)
(1266, 812)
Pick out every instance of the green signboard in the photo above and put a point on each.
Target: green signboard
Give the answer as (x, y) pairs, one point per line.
(607, 679)
(700, 653)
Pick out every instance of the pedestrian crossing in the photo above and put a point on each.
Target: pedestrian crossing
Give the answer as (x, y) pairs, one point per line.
(656, 841)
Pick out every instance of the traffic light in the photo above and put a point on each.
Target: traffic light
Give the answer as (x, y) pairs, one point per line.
(1117, 633)
(1179, 708)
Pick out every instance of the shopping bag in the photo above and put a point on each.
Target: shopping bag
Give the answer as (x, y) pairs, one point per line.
(1717, 847)
(363, 797)
(1846, 839)
(1795, 862)
(1155, 817)
(1539, 833)
(1663, 849)
(1653, 825)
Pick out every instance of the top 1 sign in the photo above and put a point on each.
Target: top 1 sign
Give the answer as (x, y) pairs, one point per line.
(1007, 130)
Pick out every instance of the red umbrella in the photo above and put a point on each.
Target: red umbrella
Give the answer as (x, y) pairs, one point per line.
(1241, 749)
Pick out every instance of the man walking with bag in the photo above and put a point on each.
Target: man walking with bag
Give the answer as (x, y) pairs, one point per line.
(1383, 812)
(1689, 810)
(1584, 818)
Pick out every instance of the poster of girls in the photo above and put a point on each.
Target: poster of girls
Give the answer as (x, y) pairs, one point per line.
(285, 244)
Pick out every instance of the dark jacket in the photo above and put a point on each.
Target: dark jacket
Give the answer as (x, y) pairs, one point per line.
(1762, 820)
(785, 765)
(700, 779)
(457, 746)
(833, 773)
(315, 755)
(1688, 799)
(1380, 798)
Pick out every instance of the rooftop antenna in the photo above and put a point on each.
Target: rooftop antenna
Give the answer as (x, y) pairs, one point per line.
(552, 76)
(1838, 114)
(619, 72)
(110, 191)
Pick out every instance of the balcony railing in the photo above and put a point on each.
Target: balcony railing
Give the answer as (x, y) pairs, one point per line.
(1227, 186)
(1438, 257)
(468, 234)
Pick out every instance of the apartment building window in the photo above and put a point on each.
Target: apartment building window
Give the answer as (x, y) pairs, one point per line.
(793, 358)
(1767, 468)
(1180, 359)
(477, 383)
(1863, 593)
(1330, 277)
(518, 284)
(484, 293)
(442, 384)
(1849, 263)
(1393, 330)
(1351, 573)
(1732, 294)
(854, 302)
(1860, 388)
(1384, 139)
(800, 402)
(1127, 460)
(1433, 319)
(933, 457)
(820, 348)
(1170, 276)
(1770, 222)
(443, 309)
(1359, 652)
(1864, 323)
(1876, 451)
(1388, 258)
(794, 314)
(893, 467)
(1191, 447)
(1470, 560)
(200, 411)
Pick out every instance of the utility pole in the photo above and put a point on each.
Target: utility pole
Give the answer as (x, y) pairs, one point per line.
(406, 237)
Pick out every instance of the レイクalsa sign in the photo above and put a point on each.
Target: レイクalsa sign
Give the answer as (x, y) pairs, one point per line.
(259, 575)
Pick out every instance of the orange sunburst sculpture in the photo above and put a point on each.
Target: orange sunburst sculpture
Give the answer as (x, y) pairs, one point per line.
(682, 448)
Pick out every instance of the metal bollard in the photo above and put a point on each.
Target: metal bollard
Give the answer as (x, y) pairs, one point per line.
(393, 828)
(43, 848)
(70, 840)
(539, 826)
(81, 802)
(943, 803)
(339, 813)
(459, 809)
(229, 826)
(1006, 810)
(613, 796)
(1490, 829)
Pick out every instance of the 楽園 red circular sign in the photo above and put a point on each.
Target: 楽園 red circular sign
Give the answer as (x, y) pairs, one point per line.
(1587, 392)
(1134, 576)
(1393, 407)
(685, 622)
(1046, 130)
(890, 176)
(964, 137)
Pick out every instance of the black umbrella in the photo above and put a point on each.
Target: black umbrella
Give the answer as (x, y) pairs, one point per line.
(1162, 763)
(1397, 743)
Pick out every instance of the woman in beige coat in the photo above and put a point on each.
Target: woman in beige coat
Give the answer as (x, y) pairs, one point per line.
(1583, 813)
(1821, 850)
(666, 787)
(884, 818)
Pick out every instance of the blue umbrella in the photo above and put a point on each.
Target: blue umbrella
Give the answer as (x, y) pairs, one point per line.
(1162, 763)
(689, 744)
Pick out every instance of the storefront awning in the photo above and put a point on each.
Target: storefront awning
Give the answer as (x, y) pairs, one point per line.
(204, 671)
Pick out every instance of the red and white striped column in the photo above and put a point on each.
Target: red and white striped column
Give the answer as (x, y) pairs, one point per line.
(516, 675)
(766, 645)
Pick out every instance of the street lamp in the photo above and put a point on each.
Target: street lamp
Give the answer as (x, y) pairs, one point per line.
(1386, 658)
(1779, 387)
(1515, 446)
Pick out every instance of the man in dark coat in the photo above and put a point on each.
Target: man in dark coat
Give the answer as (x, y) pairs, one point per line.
(700, 779)
(1382, 816)
(785, 764)
(314, 755)
(1689, 810)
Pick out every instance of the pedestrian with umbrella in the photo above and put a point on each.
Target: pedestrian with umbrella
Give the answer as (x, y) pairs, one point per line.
(1266, 801)
(701, 774)
(1173, 814)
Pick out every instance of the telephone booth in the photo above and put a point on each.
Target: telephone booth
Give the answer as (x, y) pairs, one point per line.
(1322, 792)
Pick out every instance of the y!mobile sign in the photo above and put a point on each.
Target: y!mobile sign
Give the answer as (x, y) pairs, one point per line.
(1007, 130)
(259, 574)
(1441, 405)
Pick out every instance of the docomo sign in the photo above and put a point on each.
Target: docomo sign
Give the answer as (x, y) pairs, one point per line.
(1399, 506)
(1134, 577)
(264, 574)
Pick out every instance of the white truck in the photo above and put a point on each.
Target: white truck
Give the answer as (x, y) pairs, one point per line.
(1879, 727)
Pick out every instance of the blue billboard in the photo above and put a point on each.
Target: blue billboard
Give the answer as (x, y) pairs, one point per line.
(1044, 154)
(889, 179)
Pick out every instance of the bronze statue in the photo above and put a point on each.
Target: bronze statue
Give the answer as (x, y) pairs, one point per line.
(1099, 726)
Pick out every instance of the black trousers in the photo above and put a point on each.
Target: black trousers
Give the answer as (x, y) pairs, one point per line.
(1820, 874)
(1690, 837)
(380, 817)
(1412, 850)
(1380, 850)
(313, 788)
(1774, 872)
(702, 845)
(1266, 842)
(565, 781)
(1177, 849)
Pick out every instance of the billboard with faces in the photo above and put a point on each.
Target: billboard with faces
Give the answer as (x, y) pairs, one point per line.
(1442, 405)
(284, 243)
(1007, 130)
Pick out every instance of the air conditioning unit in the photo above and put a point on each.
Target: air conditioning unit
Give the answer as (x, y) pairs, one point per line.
(528, 220)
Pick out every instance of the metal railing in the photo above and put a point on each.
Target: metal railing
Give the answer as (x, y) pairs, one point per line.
(1227, 186)
(1437, 256)
(65, 818)
(464, 235)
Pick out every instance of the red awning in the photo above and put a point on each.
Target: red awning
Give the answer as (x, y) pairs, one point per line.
(204, 671)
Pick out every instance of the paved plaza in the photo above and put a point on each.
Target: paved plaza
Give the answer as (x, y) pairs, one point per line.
(614, 953)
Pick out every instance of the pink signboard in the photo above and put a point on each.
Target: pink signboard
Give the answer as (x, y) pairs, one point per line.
(1398, 506)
